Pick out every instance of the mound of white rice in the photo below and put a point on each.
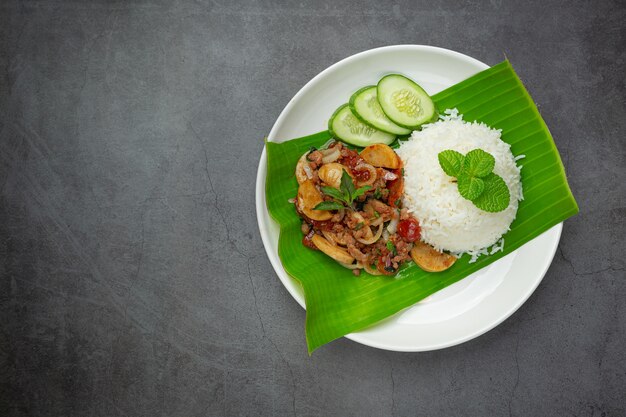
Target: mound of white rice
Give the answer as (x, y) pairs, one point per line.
(449, 221)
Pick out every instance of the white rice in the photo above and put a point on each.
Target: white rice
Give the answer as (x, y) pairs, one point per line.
(448, 221)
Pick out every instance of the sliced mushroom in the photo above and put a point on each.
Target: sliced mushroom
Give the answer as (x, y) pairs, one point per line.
(335, 252)
(309, 197)
(303, 170)
(330, 236)
(429, 259)
(381, 156)
(331, 173)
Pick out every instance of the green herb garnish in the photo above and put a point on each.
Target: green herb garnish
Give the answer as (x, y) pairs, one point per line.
(496, 195)
(470, 188)
(392, 248)
(478, 163)
(344, 196)
(451, 162)
(475, 178)
(328, 205)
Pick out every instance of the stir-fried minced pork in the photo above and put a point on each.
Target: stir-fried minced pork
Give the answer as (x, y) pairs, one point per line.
(352, 209)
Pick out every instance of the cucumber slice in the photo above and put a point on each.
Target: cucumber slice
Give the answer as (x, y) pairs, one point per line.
(364, 105)
(405, 102)
(345, 126)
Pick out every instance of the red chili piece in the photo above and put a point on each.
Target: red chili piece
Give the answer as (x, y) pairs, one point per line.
(409, 229)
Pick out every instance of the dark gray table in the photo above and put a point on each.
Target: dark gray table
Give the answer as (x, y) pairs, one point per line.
(133, 278)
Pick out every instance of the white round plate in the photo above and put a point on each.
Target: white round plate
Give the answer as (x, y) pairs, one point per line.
(461, 311)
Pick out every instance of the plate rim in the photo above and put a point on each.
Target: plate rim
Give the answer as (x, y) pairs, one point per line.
(291, 284)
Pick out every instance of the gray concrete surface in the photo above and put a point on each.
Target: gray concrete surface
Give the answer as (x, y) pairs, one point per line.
(133, 281)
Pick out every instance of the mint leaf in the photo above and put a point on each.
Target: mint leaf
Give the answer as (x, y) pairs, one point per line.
(475, 180)
(328, 205)
(347, 186)
(391, 247)
(478, 163)
(334, 193)
(451, 162)
(496, 196)
(470, 188)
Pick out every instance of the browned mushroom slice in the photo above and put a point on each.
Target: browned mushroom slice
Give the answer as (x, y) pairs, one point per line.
(429, 259)
(309, 197)
(335, 252)
(331, 174)
(381, 156)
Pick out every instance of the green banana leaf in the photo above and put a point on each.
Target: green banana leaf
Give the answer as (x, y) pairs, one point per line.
(339, 303)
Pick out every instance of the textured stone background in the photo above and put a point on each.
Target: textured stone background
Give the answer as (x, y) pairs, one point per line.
(133, 280)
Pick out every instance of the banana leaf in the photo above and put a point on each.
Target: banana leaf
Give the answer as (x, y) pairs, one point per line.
(337, 302)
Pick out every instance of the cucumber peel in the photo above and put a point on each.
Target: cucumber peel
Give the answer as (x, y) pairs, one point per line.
(344, 125)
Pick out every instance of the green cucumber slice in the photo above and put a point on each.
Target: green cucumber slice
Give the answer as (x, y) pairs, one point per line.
(405, 102)
(364, 105)
(345, 126)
